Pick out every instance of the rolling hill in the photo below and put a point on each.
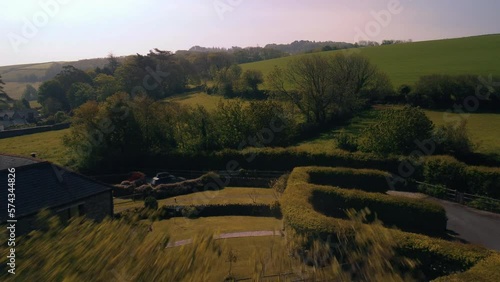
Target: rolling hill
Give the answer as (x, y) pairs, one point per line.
(404, 63)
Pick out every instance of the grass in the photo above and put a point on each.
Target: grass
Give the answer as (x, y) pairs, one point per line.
(15, 90)
(482, 127)
(405, 63)
(224, 196)
(181, 228)
(47, 145)
(245, 249)
(195, 99)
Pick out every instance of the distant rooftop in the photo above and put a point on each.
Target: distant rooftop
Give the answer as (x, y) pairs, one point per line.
(9, 161)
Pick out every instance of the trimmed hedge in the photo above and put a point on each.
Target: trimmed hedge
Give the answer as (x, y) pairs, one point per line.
(437, 257)
(408, 214)
(453, 174)
(228, 209)
(368, 180)
(486, 270)
(483, 181)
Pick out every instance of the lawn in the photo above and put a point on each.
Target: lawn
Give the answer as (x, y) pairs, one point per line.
(224, 196)
(195, 99)
(181, 228)
(404, 63)
(245, 249)
(46, 145)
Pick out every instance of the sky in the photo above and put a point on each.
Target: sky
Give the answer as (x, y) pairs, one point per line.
(34, 31)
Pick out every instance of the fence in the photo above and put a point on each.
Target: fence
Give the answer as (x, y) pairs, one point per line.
(476, 201)
(32, 130)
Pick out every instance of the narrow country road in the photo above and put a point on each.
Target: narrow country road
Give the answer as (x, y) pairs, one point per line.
(474, 226)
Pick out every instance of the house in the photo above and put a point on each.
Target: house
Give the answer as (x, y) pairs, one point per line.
(10, 118)
(40, 184)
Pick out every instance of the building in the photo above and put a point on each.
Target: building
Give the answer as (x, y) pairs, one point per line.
(41, 184)
(9, 118)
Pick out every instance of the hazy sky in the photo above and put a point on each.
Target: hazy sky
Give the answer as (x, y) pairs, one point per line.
(63, 30)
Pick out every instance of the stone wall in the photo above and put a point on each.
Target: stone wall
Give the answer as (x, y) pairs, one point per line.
(32, 130)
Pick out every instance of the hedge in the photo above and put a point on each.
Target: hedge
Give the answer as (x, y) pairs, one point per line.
(486, 270)
(209, 181)
(448, 171)
(368, 180)
(408, 214)
(437, 257)
(483, 181)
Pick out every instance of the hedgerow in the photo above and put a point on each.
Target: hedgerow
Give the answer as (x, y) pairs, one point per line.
(436, 257)
(368, 180)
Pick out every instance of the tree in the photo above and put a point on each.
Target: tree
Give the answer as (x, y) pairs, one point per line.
(79, 93)
(105, 86)
(396, 131)
(252, 79)
(30, 93)
(227, 80)
(325, 86)
(51, 92)
(4, 98)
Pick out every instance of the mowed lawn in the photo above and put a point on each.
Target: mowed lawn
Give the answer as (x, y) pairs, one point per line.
(405, 63)
(47, 145)
(227, 195)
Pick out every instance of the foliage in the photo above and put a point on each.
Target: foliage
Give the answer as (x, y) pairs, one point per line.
(483, 181)
(368, 180)
(445, 170)
(109, 251)
(346, 141)
(396, 131)
(437, 191)
(30, 93)
(454, 139)
(326, 87)
(443, 91)
(485, 204)
(151, 203)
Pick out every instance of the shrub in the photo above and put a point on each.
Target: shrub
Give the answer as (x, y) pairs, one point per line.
(396, 131)
(485, 204)
(445, 170)
(224, 210)
(151, 203)
(437, 191)
(346, 142)
(485, 270)
(484, 181)
(363, 179)
(190, 212)
(453, 139)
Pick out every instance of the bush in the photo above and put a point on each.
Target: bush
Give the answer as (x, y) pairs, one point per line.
(363, 179)
(485, 204)
(437, 191)
(445, 170)
(190, 212)
(453, 139)
(483, 181)
(396, 131)
(346, 142)
(224, 210)
(151, 203)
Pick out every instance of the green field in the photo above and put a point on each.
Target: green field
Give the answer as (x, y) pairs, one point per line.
(227, 195)
(47, 146)
(483, 128)
(195, 99)
(404, 63)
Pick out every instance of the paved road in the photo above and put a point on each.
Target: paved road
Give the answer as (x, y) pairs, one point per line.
(473, 226)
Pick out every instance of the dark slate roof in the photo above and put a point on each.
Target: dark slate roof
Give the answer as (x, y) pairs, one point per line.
(45, 185)
(8, 161)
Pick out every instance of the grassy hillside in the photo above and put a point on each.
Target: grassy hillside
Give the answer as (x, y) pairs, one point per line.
(210, 102)
(406, 62)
